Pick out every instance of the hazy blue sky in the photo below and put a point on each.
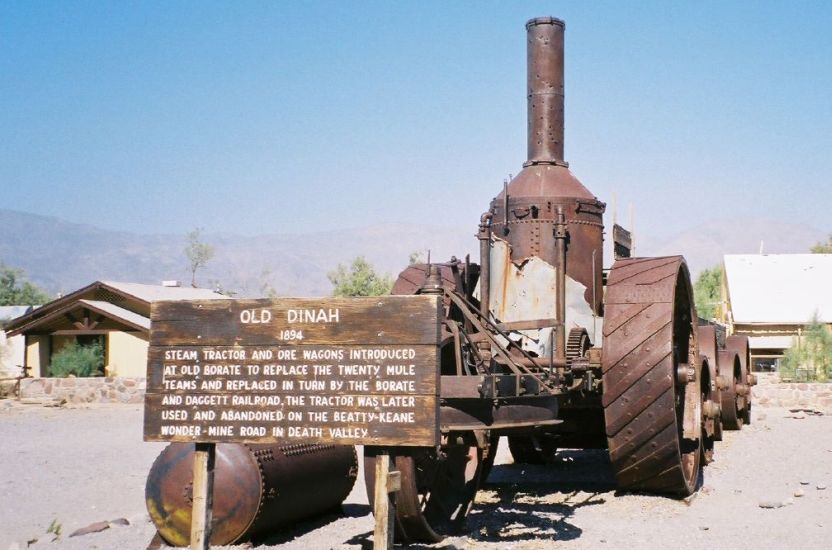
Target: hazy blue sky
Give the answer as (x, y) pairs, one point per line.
(279, 117)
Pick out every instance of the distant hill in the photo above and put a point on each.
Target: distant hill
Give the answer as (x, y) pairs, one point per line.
(703, 246)
(63, 256)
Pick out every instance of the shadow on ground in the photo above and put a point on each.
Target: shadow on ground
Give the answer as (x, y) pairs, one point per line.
(527, 502)
(307, 526)
(522, 502)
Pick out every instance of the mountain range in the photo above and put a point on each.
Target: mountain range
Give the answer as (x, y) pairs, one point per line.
(63, 256)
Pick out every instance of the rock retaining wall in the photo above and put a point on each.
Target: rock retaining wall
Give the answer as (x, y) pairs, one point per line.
(84, 390)
(770, 392)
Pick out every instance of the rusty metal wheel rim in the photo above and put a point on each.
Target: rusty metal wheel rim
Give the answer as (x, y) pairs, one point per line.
(730, 370)
(709, 424)
(739, 344)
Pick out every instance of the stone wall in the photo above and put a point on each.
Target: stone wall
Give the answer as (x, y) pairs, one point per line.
(84, 390)
(770, 392)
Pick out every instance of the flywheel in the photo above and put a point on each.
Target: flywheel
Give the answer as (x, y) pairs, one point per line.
(652, 397)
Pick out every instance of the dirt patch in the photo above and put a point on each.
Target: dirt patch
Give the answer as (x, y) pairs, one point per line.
(77, 467)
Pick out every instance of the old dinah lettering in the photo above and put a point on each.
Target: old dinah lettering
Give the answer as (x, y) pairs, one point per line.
(313, 315)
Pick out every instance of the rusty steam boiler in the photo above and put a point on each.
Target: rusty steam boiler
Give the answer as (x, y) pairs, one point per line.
(542, 345)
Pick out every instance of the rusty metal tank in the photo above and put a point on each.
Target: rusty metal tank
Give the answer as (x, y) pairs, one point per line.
(257, 488)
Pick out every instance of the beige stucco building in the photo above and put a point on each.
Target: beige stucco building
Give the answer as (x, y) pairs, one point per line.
(117, 315)
(771, 297)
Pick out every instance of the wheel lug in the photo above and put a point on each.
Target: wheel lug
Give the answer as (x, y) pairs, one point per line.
(685, 373)
(711, 409)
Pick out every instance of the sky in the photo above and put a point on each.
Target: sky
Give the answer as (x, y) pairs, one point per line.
(296, 117)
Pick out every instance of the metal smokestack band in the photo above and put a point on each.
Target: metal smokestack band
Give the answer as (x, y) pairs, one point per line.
(544, 38)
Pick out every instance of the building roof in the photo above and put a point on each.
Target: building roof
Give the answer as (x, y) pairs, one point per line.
(158, 293)
(127, 303)
(779, 288)
(10, 312)
(114, 312)
(770, 342)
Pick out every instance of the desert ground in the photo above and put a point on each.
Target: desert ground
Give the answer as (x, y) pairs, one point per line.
(770, 487)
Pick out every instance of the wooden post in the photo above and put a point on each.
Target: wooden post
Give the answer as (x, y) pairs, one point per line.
(384, 511)
(203, 493)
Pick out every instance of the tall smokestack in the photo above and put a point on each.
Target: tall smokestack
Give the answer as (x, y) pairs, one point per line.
(544, 38)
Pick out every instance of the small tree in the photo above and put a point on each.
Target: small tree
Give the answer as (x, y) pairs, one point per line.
(78, 360)
(707, 292)
(360, 279)
(266, 288)
(822, 247)
(416, 257)
(15, 292)
(811, 358)
(199, 253)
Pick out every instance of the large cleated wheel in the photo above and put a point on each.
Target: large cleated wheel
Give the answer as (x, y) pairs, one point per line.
(652, 396)
(739, 344)
(437, 489)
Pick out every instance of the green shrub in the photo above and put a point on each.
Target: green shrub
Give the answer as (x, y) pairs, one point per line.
(78, 360)
(812, 359)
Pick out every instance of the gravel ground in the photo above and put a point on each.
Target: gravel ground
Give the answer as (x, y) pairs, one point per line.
(80, 466)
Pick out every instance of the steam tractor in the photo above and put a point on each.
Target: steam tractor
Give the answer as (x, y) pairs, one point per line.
(543, 346)
(539, 344)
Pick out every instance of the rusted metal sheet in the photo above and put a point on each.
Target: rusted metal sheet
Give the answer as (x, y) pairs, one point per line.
(257, 488)
(622, 242)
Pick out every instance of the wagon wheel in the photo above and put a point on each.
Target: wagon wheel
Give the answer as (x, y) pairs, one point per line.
(740, 345)
(708, 349)
(437, 489)
(526, 449)
(651, 387)
(488, 456)
(733, 403)
(710, 411)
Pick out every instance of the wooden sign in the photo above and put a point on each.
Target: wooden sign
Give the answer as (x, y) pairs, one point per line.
(359, 371)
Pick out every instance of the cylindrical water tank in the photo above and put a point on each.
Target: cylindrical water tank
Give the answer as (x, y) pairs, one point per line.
(257, 488)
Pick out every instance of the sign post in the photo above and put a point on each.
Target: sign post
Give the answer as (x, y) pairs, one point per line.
(203, 495)
(384, 511)
(345, 371)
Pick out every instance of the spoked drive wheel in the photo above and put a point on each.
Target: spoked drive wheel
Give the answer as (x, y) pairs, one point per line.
(651, 379)
(437, 489)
